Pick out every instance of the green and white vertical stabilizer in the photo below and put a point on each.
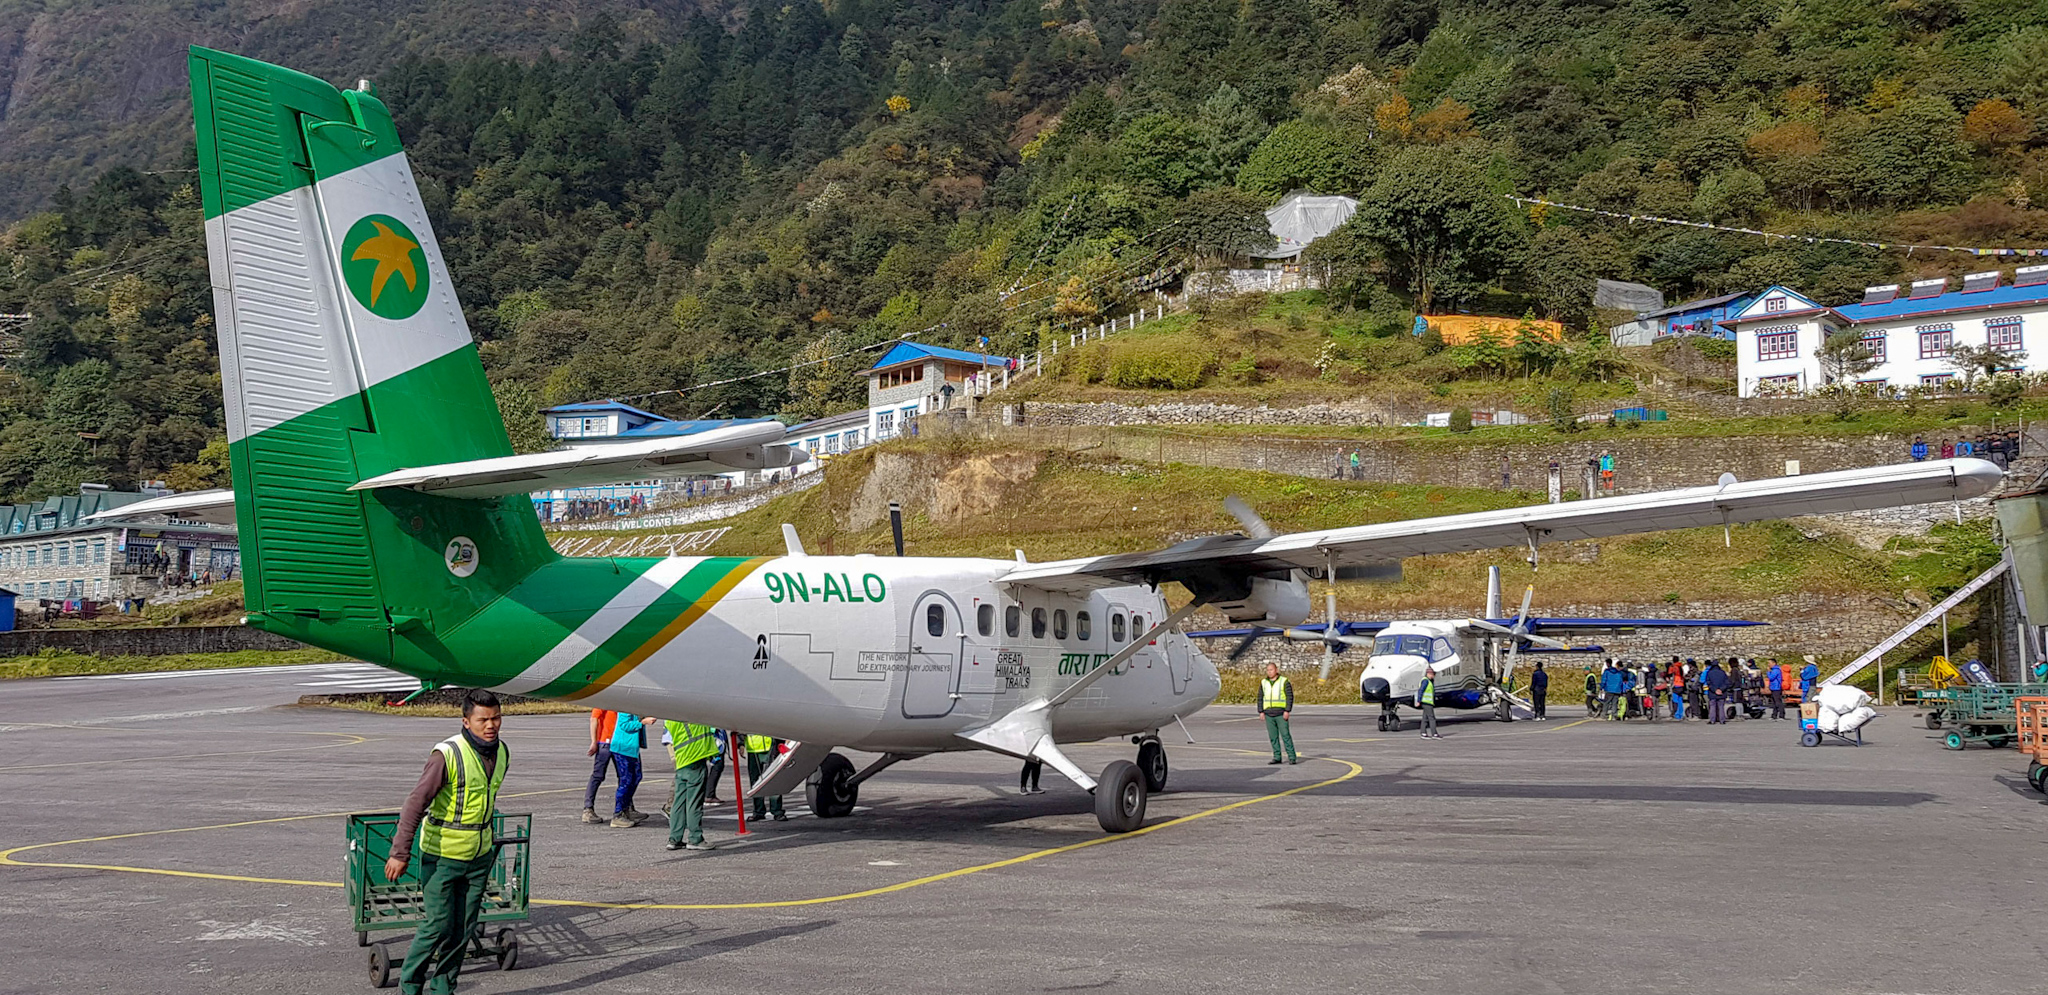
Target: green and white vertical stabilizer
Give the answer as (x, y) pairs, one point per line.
(344, 355)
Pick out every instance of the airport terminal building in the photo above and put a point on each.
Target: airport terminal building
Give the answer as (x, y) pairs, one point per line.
(50, 552)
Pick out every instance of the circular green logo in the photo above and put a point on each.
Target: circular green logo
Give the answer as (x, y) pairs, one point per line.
(384, 266)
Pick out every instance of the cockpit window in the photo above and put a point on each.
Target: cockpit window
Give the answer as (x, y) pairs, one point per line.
(1409, 645)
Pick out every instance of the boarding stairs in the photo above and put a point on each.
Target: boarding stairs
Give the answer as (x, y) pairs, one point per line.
(1926, 618)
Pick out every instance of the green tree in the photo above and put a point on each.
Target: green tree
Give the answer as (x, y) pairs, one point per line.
(1309, 155)
(1442, 232)
(1230, 129)
(1165, 155)
(1844, 357)
(1221, 222)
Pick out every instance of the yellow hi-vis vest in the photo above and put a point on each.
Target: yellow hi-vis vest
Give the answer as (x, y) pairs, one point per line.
(1426, 694)
(692, 742)
(1272, 693)
(458, 821)
(760, 744)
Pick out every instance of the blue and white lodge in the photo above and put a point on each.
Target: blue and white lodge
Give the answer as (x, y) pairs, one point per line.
(1911, 334)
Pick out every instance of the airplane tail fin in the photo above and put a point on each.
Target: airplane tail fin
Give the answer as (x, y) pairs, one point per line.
(344, 355)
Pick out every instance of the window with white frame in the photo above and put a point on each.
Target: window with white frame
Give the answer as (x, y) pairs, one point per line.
(1781, 342)
(1936, 379)
(885, 424)
(1774, 305)
(2003, 333)
(1936, 340)
(1789, 381)
(1873, 344)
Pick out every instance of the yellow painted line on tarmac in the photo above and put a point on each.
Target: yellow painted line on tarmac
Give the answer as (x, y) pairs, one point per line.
(347, 739)
(992, 865)
(7, 857)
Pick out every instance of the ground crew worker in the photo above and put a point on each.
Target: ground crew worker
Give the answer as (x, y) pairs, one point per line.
(694, 746)
(1595, 705)
(761, 753)
(456, 795)
(1425, 699)
(1276, 703)
(1539, 689)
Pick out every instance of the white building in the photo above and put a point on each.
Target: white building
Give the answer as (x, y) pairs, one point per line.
(913, 379)
(1778, 336)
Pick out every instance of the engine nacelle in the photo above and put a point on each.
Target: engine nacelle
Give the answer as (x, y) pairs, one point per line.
(1274, 602)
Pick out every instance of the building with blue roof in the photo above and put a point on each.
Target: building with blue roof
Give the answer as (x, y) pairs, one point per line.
(914, 379)
(1693, 318)
(55, 549)
(1911, 333)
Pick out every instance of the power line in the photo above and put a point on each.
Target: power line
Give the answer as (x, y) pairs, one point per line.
(1866, 243)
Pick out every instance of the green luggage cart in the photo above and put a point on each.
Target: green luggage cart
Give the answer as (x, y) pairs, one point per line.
(378, 904)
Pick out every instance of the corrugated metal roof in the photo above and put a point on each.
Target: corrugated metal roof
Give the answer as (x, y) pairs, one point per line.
(584, 406)
(1698, 305)
(1953, 301)
(907, 352)
(663, 429)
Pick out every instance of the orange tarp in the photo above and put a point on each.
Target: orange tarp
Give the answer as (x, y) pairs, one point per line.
(1459, 329)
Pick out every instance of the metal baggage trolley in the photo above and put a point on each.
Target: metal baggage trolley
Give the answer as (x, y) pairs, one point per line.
(378, 904)
(1810, 732)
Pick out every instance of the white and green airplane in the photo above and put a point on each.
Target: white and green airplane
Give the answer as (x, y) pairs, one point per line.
(383, 514)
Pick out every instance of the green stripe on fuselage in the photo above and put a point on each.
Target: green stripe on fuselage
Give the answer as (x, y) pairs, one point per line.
(685, 594)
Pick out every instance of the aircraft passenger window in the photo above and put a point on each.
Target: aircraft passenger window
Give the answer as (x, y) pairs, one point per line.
(1116, 627)
(984, 619)
(1038, 623)
(935, 620)
(1084, 629)
(1013, 620)
(1059, 623)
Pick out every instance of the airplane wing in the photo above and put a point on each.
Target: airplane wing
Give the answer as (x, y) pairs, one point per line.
(1728, 503)
(215, 507)
(750, 446)
(1623, 626)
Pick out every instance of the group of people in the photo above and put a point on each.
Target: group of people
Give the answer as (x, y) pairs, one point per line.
(1622, 689)
(617, 740)
(1999, 448)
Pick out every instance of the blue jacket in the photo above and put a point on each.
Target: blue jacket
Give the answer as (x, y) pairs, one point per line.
(1717, 680)
(1614, 681)
(626, 736)
(1539, 680)
(1919, 450)
(1808, 674)
(1774, 678)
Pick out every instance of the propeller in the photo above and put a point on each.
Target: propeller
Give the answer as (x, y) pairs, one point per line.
(1518, 634)
(1332, 637)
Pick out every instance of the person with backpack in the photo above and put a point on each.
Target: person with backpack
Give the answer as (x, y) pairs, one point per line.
(1678, 696)
(1614, 688)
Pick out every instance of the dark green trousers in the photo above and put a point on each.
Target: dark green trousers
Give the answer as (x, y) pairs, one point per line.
(1278, 733)
(686, 809)
(454, 894)
(756, 763)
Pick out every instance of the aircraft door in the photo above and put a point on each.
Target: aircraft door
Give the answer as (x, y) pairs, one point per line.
(1125, 625)
(1178, 663)
(938, 641)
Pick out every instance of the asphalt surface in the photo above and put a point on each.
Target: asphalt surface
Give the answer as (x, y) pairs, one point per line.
(1506, 857)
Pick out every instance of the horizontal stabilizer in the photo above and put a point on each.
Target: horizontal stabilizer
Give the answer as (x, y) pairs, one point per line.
(214, 507)
(754, 446)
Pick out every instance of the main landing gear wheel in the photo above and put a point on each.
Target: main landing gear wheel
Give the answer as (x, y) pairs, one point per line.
(382, 974)
(830, 790)
(1501, 712)
(1120, 797)
(1152, 763)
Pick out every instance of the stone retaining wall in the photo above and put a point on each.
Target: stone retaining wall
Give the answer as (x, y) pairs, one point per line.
(144, 641)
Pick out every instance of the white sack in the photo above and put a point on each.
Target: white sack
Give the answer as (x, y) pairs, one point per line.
(1840, 698)
(1829, 721)
(1854, 720)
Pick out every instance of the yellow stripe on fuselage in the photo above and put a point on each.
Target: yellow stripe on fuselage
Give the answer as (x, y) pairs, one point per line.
(674, 628)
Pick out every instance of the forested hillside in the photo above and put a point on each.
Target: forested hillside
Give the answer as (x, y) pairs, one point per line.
(640, 199)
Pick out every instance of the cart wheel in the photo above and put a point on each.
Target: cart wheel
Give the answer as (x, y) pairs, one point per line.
(380, 967)
(1953, 741)
(2037, 776)
(362, 938)
(1809, 738)
(508, 952)
(1934, 720)
(1998, 742)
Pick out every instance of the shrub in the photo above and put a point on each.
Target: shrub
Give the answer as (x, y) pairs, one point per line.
(1461, 419)
(1169, 362)
(1561, 416)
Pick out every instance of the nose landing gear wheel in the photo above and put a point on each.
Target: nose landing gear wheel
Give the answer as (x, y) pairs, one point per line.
(829, 791)
(1152, 763)
(1120, 797)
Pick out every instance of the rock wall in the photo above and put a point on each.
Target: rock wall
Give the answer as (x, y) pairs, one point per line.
(143, 642)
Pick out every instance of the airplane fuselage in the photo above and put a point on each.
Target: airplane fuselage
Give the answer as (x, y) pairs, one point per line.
(1404, 650)
(879, 654)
